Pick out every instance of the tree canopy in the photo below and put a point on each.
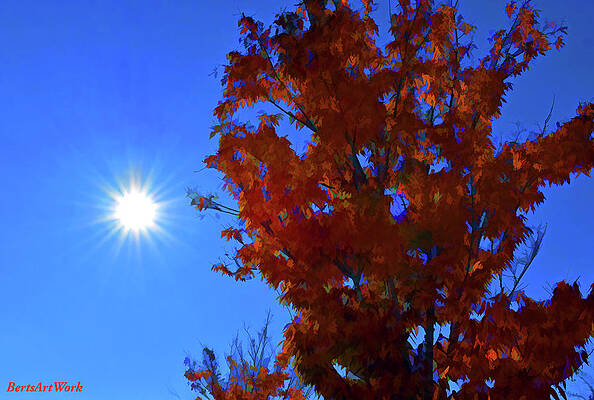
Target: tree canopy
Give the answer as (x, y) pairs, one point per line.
(402, 212)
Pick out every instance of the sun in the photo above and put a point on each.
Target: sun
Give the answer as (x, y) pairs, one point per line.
(135, 211)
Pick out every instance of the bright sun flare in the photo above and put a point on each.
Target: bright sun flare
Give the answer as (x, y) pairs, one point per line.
(135, 211)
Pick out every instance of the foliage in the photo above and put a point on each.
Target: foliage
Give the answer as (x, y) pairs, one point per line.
(249, 378)
(402, 212)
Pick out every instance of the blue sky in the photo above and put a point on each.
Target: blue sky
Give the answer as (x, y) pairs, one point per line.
(98, 93)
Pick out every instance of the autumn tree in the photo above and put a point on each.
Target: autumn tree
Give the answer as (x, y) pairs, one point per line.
(402, 215)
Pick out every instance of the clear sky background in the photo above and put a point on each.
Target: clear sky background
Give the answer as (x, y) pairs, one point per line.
(96, 93)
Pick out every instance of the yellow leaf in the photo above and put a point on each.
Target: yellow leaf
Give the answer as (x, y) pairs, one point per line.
(436, 196)
(515, 354)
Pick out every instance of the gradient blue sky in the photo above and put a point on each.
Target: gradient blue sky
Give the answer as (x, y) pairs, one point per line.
(97, 93)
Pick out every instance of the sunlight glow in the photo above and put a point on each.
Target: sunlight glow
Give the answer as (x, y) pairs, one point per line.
(135, 211)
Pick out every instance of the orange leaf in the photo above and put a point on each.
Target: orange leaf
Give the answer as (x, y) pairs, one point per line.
(476, 266)
(510, 8)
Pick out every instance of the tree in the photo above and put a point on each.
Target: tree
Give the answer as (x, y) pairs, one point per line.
(249, 377)
(402, 215)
